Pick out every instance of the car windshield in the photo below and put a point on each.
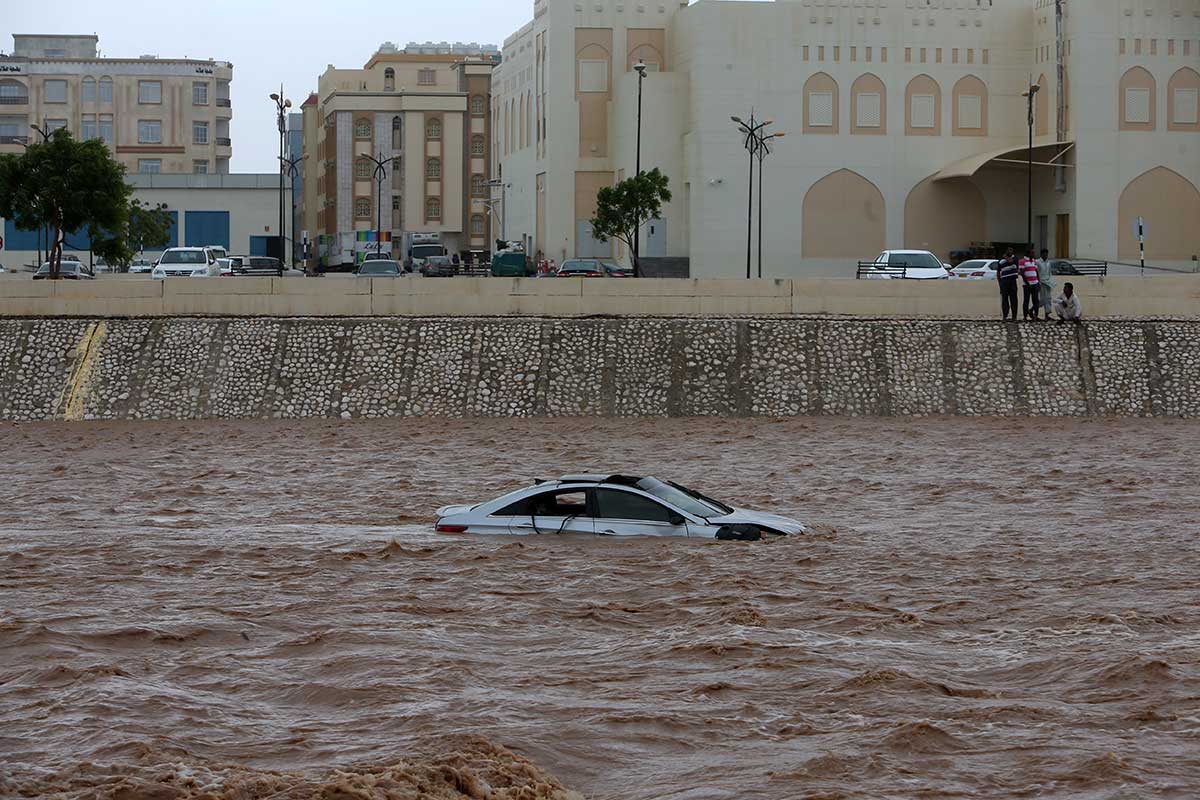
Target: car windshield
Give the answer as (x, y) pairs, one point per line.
(439, 260)
(183, 257)
(65, 266)
(918, 260)
(426, 250)
(378, 268)
(683, 498)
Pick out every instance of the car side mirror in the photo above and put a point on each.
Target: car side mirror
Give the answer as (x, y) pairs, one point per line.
(676, 519)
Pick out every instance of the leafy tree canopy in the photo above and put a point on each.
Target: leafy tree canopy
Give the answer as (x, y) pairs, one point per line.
(622, 209)
(64, 185)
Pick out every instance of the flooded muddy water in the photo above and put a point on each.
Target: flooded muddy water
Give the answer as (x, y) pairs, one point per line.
(983, 608)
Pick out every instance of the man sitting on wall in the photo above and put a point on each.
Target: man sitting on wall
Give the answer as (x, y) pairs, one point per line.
(1067, 306)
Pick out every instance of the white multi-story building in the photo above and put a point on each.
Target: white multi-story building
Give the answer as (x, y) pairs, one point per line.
(157, 114)
(905, 126)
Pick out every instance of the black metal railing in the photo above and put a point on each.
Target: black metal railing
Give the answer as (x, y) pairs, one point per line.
(224, 102)
(1066, 268)
(14, 100)
(874, 269)
(14, 140)
(224, 141)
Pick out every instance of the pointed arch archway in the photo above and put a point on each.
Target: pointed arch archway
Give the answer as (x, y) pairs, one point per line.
(944, 216)
(1170, 204)
(843, 216)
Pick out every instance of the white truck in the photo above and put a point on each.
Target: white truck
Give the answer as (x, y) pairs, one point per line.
(420, 246)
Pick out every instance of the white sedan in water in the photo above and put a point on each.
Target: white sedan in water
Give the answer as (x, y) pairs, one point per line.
(613, 505)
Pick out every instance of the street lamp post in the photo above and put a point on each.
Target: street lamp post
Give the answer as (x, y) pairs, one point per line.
(289, 165)
(281, 105)
(379, 175)
(641, 71)
(1033, 90)
(750, 129)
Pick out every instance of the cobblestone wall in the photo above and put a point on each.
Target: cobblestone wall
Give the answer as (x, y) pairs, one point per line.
(185, 368)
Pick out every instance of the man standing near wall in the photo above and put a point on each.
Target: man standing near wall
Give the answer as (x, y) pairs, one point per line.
(1045, 282)
(1006, 276)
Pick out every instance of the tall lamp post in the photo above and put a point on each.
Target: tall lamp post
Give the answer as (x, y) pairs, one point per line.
(750, 130)
(379, 175)
(289, 165)
(1033, 90)
(637, 233)
(764, 150)
(281, 105)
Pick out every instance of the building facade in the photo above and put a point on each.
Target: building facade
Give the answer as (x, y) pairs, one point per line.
(905, 124)
(423, 111)
(239, 212)
(156, 114)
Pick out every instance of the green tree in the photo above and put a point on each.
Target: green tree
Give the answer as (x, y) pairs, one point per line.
(146, 226)
(63, 185)
(622, 209)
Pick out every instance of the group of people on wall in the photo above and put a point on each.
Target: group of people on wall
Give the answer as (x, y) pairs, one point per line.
(1035, 275)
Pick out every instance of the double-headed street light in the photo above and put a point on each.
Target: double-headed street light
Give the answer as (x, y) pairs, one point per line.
(282, 105)
(289, 165)
(1033, 90)
(379, 175)
(752, 130)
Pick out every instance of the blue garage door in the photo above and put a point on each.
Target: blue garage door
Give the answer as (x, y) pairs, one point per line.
(258, 245)
(206, 227)
(16, 239)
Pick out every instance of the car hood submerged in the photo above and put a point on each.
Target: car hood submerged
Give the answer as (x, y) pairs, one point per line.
(744, 516)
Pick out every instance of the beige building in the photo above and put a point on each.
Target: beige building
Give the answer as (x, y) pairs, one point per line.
(157, 114)
(905, 122)
(425, 109)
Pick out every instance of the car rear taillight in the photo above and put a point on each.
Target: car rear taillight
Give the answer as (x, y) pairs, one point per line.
(444, 528)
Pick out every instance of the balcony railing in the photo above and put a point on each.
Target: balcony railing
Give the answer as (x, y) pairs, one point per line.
(14, 100)
(224, 141)
(223, 102)
(14, 140)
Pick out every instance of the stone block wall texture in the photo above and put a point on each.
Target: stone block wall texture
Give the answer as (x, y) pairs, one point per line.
(191, 368)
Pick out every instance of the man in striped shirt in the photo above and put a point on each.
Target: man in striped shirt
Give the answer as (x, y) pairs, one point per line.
(1029, 275)
(1006, 275)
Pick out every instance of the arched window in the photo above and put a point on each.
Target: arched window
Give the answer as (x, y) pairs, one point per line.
(477, 225)
(1183, 92)
(521, 123)
(478, 188)
(433, 129)
(13, 91)
(362, 129)
(433, 168)
(868, 106)
(106, 90)
(433, 208)
(970, 108)
(922, 107)
(88, 90)
(362, 168)
(478, 145)
(477, 105)
(397, 133)
(362, 207)
(1137, 101)
(820, 104)
(389, 80)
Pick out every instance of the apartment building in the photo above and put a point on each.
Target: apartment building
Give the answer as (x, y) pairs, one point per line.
(421, 110)
(905, 124)
(156, 114)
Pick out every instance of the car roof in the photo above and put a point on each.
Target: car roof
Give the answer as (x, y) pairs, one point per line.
(184, 248)
(909, 251)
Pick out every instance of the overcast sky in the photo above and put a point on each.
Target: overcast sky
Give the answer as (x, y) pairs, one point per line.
(268, 42)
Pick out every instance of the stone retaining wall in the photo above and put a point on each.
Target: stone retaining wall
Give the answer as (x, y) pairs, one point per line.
(187, 368)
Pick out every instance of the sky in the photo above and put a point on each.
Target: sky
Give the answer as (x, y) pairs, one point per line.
(267, 42)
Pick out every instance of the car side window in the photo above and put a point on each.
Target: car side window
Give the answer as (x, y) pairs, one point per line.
(557, 503)
(615, 504)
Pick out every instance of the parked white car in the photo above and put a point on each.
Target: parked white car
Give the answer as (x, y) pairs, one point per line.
(613, 505)
(910, 264)
(187, 262)
(976, 269)
(140, 266)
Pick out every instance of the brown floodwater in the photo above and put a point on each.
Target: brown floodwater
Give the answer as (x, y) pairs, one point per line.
(983, 608)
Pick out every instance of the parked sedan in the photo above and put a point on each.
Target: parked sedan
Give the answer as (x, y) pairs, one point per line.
(140, 266)
(978, 269)
(68, 270)
(379, 268)
(437, 267)
(906, 264)
(587, 268)
(613, 505)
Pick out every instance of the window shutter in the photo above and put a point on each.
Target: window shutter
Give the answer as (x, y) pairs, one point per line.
(820, 109)
(1137, 105)
(1185, 107)
(970, 111)
(593, 76)
(922, 111)
(867, 111)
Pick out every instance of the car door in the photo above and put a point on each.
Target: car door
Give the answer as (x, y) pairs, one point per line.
(558, 510)
(624, 513)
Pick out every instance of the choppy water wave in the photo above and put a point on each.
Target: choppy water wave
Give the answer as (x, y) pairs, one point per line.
(984, 608)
